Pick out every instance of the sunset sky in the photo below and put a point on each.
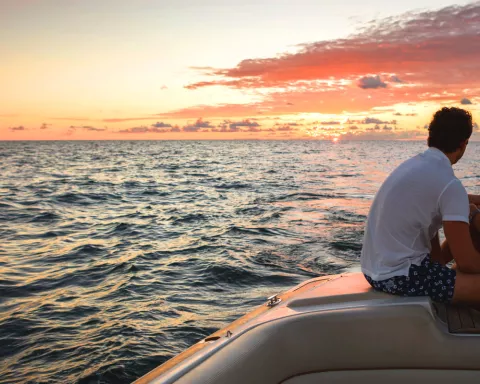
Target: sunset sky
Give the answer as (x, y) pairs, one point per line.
(224, 69)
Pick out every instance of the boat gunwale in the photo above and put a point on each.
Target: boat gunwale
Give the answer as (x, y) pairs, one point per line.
(222, 333)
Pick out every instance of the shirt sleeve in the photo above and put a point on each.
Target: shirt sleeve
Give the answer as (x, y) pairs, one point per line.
(453, 202)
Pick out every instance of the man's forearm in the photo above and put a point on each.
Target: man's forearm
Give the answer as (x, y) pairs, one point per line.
(440, 253)
(474, 199)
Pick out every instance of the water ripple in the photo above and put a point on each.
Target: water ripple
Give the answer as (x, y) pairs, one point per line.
(118, 255)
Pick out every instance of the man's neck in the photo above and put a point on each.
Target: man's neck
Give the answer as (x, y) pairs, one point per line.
(452, 157)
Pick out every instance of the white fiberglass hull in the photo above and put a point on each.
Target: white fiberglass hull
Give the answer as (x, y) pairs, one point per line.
(335, 329)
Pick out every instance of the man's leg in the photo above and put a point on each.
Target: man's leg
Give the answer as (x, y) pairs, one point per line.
(467, 286)
(444, 256)
(467, 289)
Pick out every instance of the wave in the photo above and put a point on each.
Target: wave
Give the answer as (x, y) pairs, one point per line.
(114, 266)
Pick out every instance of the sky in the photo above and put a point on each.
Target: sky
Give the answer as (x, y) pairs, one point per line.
(224, 69)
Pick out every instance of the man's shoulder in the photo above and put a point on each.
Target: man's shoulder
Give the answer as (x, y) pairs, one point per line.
(419, 172)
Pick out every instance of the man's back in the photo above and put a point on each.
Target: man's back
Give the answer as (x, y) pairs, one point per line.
(407, 212)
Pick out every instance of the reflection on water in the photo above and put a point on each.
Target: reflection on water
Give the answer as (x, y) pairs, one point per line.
(116, 256)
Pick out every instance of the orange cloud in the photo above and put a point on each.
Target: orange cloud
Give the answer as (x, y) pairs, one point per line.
(398, 45)
(415, 57)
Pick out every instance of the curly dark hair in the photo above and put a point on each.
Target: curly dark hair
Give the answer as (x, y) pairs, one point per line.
(449, 128)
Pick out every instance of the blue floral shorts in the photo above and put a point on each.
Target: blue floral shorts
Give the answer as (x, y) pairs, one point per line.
(427, 279)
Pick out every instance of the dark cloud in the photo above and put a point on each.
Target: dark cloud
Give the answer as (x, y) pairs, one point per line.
(285, 128)
(465, 101)
(191, 128)
(373, 120)
(19, 128)
(158, 127)
(88, 128)
(142, 129)
(371, 82)
(225, 128)
(45, 126)
(236, 126)
(152, 129)
(243, 123)
(330, 122)
(395, 79)
(292, 124)
(161, 125)
(199, 124)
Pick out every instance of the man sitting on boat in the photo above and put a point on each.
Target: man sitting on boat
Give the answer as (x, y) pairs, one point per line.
(401, 251)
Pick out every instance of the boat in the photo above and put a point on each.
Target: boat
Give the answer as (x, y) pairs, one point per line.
(335, 329)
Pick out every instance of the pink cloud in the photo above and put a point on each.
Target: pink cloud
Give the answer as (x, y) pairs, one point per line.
(426, 56)
(394, 45)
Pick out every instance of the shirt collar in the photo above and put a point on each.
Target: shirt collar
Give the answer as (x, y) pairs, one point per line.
(437, 154)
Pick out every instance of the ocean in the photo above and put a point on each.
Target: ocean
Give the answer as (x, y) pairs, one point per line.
(117, 255)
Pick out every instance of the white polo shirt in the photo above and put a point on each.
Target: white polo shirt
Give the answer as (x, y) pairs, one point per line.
(408, 211)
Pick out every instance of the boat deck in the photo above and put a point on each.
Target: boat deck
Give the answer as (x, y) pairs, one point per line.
(333, 324)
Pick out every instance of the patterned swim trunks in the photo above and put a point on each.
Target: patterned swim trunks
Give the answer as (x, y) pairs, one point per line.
(427, 279)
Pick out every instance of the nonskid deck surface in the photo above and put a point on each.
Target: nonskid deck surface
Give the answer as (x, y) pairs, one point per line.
(336, 311)
(460, 319)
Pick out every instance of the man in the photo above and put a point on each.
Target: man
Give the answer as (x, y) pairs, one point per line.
(401, 251)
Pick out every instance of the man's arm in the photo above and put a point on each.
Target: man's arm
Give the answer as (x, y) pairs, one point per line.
(474, 199)
(436, 251)
(461, 246)
(440, 254)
